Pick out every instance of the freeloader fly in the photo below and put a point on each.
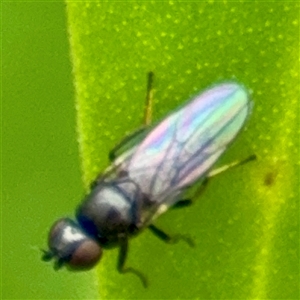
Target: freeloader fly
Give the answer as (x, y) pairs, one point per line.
(153, 169)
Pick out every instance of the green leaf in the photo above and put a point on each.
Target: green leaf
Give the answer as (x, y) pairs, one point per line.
(246, 224)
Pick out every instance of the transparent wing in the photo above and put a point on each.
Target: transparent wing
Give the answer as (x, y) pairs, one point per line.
(185, 145)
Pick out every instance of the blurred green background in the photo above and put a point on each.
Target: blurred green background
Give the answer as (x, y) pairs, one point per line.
(246, 225)
(41, 178)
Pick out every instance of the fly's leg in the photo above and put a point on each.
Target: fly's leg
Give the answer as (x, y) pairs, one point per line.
(122, 259)
(125, 141)
(102, 176)
(187, 202)
(183, 203)
(220, 170)
(224, 168)
(147, 119)
(168, 238)
(149, 101)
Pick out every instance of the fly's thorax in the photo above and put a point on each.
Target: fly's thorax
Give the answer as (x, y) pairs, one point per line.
(110, 211)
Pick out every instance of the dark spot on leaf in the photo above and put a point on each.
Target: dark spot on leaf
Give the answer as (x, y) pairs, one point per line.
(270, 178)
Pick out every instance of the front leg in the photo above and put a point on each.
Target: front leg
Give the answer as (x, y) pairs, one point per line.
(122, 260)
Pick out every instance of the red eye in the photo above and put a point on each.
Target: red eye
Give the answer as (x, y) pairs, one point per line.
(85, 256)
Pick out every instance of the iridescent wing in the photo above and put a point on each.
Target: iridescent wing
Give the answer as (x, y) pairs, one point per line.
(183, 147)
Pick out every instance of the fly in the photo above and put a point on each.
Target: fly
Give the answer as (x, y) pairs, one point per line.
(150, 171)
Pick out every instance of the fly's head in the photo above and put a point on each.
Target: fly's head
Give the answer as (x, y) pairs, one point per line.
(69, 245)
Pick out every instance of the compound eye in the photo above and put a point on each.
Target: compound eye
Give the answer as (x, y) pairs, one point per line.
(85, 256)
(70, 245)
